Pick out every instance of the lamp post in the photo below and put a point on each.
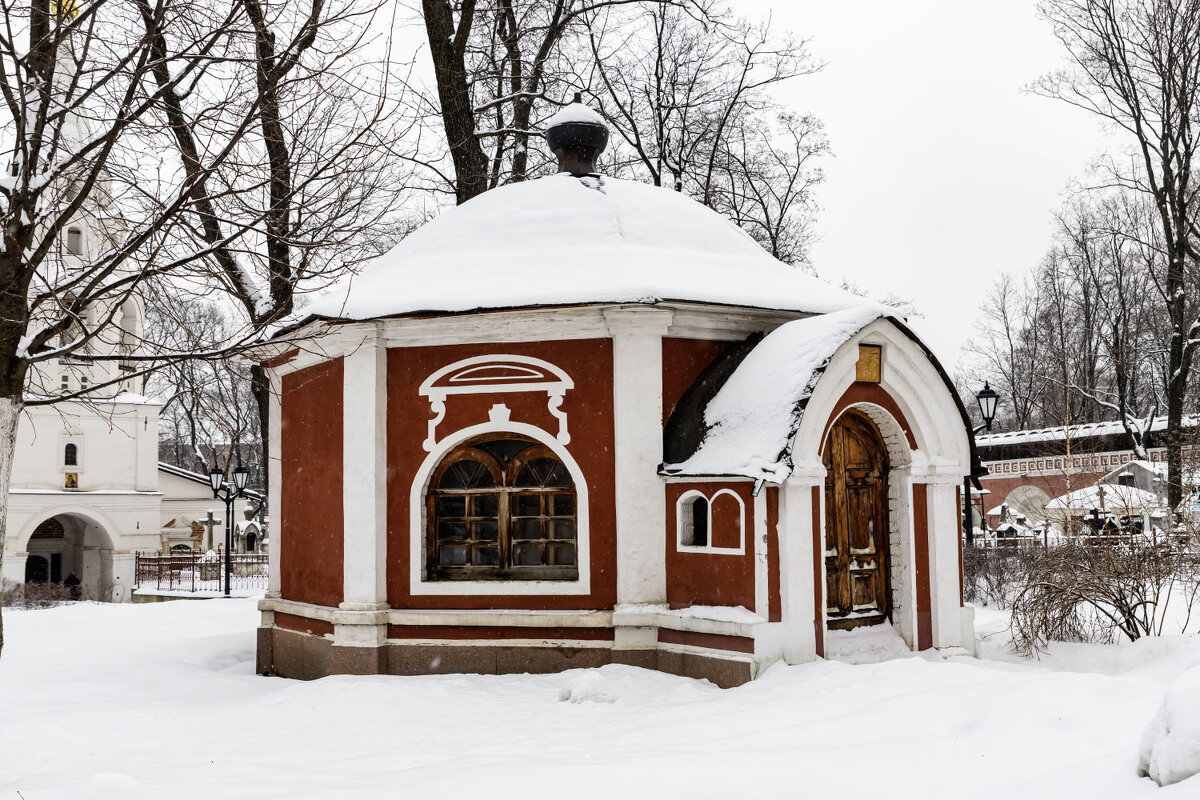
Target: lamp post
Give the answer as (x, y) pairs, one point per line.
(987, 399)
(223, 490)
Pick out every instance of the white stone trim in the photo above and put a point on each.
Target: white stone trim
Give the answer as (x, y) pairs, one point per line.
(657, 617)
(761, 595)
(274, 481)
(641, 507)
(709, 548)
(796, 574)
(364, 471)
(416, 529)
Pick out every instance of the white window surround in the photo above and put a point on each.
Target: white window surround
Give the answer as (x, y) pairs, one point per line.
(418, 585)
(518, 374)
(684, 502)
(77, 467)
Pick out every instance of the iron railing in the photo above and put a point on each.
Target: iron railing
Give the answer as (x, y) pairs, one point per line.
(193, 571)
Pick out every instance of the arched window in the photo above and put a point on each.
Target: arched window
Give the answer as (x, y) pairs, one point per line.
(501, 508)
(70, 456)
(75, 241)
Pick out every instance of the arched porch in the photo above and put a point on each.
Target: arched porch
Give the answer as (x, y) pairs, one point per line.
(70, 548)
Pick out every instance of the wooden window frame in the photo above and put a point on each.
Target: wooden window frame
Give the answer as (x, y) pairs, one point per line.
(505, 488)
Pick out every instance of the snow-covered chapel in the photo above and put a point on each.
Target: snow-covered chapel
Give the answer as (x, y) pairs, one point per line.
(580, 420)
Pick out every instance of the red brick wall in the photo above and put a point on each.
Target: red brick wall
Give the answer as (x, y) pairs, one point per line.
(310, 490)
(683, 361)
(710, 579)
(590, 419)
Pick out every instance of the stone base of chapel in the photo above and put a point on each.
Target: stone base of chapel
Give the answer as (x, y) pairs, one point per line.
(306, 656)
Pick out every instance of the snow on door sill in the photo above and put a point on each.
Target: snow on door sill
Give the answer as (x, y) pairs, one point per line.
(867, 645)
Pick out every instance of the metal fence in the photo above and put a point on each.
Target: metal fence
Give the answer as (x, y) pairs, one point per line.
(193, 571)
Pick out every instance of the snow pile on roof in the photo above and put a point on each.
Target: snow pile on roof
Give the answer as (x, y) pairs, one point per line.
(1082, 431)
(1170, 748)
(753, 417)
(1106, 496)
(554, 241)
(574, 112)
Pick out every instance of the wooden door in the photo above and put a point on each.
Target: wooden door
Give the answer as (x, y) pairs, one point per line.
(858, 591)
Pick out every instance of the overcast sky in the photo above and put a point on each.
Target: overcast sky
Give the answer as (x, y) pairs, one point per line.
(945, 172)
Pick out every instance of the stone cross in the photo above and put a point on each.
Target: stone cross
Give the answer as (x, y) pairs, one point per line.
(209, 524)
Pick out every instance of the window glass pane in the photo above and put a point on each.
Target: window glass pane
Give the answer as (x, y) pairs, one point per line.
(527, 528)
(562, 505)
(74, 241)
(527, 554)
(452, 555)
(452, 531)
(544, 473)
(560, 529)
(562, 554)
(504, 450)
(485, 505)
(700, 522)
(489, 530)
(452, 506)
(466, 474)
(526, 505)
(485, 556)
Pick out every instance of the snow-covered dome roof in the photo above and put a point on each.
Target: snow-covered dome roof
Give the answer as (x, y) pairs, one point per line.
(562, 240)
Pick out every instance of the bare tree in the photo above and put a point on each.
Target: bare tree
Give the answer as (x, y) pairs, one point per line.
(1136, 65)
(1012, 350)
(215, 148)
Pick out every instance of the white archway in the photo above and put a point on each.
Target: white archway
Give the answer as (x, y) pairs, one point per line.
(922, 425)
(73, 541)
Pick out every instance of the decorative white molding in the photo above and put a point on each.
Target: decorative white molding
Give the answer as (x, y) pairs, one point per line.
(496, 374)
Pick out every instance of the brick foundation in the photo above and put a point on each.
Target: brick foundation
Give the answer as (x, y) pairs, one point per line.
(292, 654)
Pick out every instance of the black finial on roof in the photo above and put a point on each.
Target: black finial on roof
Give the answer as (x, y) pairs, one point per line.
(577, 135)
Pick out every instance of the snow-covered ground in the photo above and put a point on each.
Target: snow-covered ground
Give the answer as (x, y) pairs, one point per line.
(160, 701)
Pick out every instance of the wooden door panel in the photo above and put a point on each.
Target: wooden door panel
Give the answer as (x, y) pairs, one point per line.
(856, 527)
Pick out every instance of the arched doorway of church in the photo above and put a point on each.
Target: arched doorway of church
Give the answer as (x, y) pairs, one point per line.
(857, 569)
(251, 542)
(67, 545)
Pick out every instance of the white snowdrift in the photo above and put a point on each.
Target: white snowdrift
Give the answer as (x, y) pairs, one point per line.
(160, 700)
(555, 241)
(1170, 749)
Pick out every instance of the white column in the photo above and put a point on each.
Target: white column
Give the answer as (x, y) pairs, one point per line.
(364, 476)
(943, 560)
(797, 576)
(903, 554)
(274, 481)
(637, 413)
(758, 543)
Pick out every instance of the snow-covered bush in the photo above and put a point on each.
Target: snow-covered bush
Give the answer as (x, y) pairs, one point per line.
(1170, 749)
(1101, 591)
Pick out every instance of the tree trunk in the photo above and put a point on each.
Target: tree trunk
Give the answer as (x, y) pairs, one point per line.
(10, 414)
(260, 388)
(447, 48)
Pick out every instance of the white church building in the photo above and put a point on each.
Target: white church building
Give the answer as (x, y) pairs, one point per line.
(87, 490)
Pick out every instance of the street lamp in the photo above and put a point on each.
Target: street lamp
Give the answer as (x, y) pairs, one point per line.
(222, 490)
(987, 399)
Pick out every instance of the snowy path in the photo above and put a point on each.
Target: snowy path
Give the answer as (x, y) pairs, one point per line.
(160, 701)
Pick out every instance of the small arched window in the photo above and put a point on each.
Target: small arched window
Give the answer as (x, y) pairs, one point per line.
(501, 508)
(75, 241)
(71, 456)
